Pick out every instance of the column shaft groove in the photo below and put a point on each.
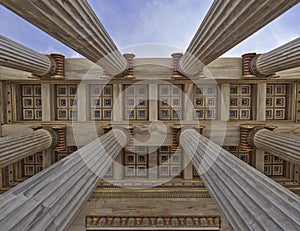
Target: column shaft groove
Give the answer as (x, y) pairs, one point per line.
(51, 199)
(226, 24)
(284, 146)
(75, 24)
(248, 199)
(282, 58)
(17, 56)
(15, 148)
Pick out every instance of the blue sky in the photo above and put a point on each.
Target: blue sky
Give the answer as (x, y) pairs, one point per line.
(171, 23)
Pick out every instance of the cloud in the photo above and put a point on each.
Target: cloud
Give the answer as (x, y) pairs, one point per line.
(170, 22)
(282, 30)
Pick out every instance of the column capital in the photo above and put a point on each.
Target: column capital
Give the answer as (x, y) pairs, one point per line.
(247, 132)
(129, 70)
(176, 57)
(75, 24)
(16, 56)
(58, 134)
(226, 24)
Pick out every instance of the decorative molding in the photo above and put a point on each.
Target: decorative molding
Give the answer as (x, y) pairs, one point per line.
(60, 66)
(96, 221)
(246, 68)
(129, 72)
(168, 192)
(176, 73)
(248, 132)
(58, 133)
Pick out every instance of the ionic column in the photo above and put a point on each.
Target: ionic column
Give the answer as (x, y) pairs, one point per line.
(15, 148)
(75, 24)
(17, 56)
(226, 24)
(51, 199)
(248, 199)
(285, 146)
(282, 58)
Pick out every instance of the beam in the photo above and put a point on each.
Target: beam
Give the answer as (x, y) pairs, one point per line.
(15, 148)
(17, 56)
(75, 24)
(248, 199)
(226, 24)
(282, 58)
(51, 199)
(284, 146)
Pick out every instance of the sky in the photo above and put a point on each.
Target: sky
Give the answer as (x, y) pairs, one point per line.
(165, 23)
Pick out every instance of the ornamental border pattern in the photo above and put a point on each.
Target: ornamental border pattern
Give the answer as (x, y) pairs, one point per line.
(98, 221)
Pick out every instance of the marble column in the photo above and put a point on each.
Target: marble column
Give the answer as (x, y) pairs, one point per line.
(284, 146)
(226, 24)
(17, 56)
(75, 24)
(282, 58)
(51, 199)
(15, 148)
(248, 199)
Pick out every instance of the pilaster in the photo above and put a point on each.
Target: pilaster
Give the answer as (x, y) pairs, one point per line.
(153, 102)
(153, 166)
(188, 173)
(188, 112)
(225, 102)
(47, 104)
(261, 101)
(82, 102)
(47, 158)
(118, 168)
(118, 102)
(259, 160)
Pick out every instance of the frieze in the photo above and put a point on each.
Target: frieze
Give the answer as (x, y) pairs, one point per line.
(153, 222)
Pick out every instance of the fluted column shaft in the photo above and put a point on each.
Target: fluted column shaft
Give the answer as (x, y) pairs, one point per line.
(285, 146)
(226, 24)
(282, 58)
(17, 56)
(75, 24)
(248, 199)
(51, 199)
(15, 148)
